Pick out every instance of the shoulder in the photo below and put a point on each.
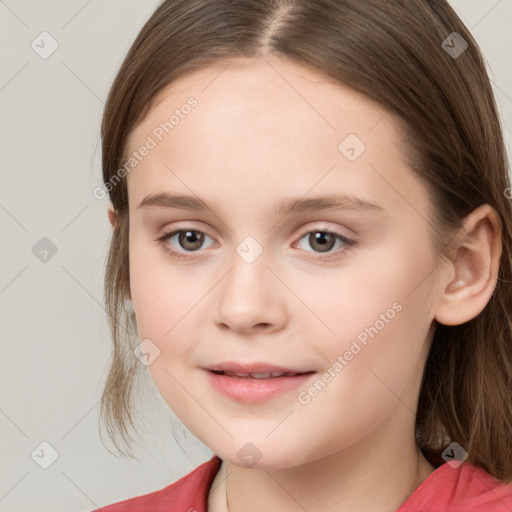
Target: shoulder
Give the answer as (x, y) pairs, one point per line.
(465, 488)
(189, 493)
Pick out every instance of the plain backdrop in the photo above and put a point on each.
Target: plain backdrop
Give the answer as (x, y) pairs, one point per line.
(55, 233)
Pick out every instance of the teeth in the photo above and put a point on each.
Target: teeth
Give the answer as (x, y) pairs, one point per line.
(266, 375)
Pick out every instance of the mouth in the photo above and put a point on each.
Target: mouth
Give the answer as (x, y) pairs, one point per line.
(254, 387)
(261, 375)
(255, 368)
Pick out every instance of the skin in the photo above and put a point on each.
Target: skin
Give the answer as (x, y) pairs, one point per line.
(263, 130)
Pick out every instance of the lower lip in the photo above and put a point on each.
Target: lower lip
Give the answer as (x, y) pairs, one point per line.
(250, 390)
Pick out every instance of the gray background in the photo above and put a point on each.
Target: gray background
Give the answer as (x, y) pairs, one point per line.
(54, 334)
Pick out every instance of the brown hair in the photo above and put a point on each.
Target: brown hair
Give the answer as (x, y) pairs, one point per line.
(393, 52)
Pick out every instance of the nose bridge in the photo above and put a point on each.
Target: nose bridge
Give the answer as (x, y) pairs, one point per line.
(249, 266)
(248, 296)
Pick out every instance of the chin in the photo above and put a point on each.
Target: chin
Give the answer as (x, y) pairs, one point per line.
(252, 456)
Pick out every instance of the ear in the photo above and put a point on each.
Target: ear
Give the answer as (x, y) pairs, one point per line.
(473, 274)
(112, 215)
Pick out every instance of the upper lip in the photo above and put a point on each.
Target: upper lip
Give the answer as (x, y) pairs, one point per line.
(257, 367)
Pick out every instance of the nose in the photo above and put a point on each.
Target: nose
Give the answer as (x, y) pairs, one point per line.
(251, 298)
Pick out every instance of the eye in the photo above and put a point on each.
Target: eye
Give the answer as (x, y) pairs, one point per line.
(190, 240)
(322, 241)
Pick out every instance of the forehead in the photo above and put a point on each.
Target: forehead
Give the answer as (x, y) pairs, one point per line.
(262, 120)
(261, 84)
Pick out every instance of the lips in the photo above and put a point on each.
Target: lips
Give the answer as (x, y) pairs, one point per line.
(261, 375)
(256, 370)
(255, 386)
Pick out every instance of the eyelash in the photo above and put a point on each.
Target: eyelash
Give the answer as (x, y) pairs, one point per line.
(180, 254)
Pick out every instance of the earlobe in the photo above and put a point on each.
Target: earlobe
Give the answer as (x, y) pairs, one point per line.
(112, 215)
(474, 271)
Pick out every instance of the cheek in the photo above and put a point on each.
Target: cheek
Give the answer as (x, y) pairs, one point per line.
(381, 323)
(379, 287)
(158, 294)
(170, 303)
(164, 299)
(381, 300)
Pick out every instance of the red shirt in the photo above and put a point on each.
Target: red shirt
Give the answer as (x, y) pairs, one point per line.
(464, 489)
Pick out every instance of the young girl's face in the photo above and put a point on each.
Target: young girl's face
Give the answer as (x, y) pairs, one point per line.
(258, 283)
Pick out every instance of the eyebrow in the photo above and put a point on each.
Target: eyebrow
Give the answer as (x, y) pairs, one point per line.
(282, 207)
